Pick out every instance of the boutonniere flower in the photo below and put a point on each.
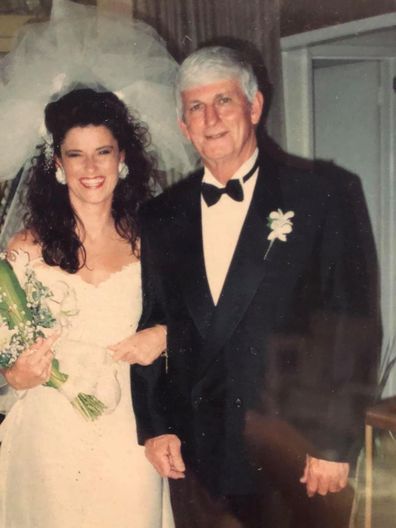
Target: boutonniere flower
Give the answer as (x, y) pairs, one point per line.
(281, 225)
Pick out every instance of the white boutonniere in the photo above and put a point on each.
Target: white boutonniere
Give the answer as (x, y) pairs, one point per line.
(281, 225)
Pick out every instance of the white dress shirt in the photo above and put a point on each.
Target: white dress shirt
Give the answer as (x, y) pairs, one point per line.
(222, 224)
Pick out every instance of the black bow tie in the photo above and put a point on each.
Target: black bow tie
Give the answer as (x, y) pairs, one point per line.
(212, 194)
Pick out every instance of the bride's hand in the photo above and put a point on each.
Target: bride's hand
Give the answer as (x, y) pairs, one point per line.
(141, 348)
(33, 366)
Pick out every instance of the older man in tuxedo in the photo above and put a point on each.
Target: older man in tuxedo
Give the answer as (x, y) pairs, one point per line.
(260, 271)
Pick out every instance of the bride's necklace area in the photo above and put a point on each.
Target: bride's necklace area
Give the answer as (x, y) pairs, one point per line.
(108, 255)
(104, 251)
(98, 246)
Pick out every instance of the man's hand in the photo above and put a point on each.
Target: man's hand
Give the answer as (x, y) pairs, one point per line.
(324, 476)
(165, 455)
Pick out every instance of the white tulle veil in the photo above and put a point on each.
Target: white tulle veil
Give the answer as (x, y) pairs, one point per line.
(78, 45)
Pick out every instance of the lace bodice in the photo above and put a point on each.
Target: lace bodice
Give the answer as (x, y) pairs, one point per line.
(102, 314)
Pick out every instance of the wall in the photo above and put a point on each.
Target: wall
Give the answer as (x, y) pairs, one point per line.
(304, 15)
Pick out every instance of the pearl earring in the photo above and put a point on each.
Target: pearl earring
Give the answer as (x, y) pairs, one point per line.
(122, 170)
(60, 175)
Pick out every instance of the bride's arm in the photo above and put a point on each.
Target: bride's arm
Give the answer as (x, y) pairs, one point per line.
(23, 241)
(142, 348)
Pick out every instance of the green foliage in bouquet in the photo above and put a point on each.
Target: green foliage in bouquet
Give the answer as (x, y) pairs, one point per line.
(23, 315)
(16, 316)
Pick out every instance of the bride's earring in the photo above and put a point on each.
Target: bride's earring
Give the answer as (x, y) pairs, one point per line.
(122, 170)
(60, 175)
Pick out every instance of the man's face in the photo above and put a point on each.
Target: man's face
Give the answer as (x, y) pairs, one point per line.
(220, 121)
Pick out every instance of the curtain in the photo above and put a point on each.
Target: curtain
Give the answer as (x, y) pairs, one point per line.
(25, 7)
(185, 24)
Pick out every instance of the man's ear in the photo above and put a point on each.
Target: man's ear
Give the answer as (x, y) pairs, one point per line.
(58, 162)
(256, 107)
(122, 155)
(183, 127)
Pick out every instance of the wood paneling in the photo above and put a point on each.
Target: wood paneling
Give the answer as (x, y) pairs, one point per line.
(304, 15)
(9, 25)
(124, 7)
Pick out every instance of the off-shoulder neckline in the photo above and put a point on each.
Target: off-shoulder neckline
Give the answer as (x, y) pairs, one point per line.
(110, 276)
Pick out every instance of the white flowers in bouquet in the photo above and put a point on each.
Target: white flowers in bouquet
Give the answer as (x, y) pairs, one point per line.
(5, 336)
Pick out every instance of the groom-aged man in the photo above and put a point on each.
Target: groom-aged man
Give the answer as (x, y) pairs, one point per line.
(260, 272)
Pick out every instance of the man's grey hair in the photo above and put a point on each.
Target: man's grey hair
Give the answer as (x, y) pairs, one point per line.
(211, 64)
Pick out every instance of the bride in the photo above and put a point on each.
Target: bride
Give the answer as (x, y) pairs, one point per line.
(81, 240)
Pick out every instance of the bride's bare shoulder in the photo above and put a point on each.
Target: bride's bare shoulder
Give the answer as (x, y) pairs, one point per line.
(24, 241)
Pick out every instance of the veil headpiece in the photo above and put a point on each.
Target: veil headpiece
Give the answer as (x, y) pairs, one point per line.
(78, 45)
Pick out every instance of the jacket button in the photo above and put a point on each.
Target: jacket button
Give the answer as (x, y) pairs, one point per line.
(197, 402)
(238, 403)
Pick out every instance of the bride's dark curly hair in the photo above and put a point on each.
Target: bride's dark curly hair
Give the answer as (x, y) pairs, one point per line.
(50, 216)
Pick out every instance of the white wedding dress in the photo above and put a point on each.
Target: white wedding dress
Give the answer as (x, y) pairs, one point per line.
(58, 469)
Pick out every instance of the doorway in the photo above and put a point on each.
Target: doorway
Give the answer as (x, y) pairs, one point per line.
(340, 105)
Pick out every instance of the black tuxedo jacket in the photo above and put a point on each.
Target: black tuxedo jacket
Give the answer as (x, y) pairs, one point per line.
(292, 343)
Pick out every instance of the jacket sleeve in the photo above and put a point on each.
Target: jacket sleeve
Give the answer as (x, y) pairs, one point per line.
(149, 382)
(345, 327)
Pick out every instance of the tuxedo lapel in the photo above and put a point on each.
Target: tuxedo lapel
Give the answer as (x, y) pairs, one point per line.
(192, 274)
(248, 264)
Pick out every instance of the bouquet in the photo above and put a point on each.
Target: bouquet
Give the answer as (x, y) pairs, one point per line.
(24, 315)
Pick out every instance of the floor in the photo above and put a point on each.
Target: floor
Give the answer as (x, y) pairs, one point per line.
(384, 485)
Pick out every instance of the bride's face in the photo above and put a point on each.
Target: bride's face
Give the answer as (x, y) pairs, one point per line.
(90, 156)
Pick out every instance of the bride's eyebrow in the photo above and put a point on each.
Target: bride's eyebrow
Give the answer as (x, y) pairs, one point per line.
(78, 151)
(106, 147)
(72, 151)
